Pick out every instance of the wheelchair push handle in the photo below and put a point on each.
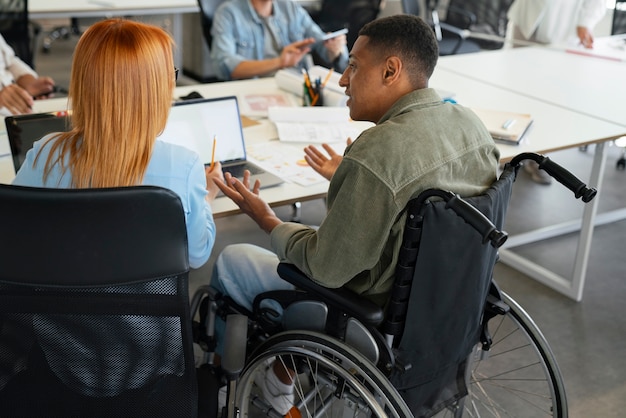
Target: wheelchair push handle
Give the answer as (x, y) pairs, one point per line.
(477, 220)
(561, 175)
(468, 213)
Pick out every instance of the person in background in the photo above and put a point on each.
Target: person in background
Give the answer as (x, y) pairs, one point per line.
(19, 84)
(554, 22)
(121, 87)
(419, 142)
(255, 38)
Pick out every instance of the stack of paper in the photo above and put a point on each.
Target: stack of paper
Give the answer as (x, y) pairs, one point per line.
(314, 125)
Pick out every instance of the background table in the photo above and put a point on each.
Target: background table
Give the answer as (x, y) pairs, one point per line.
(47, 9)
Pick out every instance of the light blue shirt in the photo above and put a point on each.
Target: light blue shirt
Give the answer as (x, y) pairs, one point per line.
(238, 34)
(171, 166)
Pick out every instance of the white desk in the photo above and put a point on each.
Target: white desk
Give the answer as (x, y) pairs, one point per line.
(47, 9)
(555, 128)
(590, 89)
(284, 194)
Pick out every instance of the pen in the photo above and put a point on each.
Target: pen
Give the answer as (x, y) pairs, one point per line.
(213, 152)
(508, 123)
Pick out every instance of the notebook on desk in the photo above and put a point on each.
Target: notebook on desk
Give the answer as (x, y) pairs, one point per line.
(24, 130)
(505, 127)
(194, 124)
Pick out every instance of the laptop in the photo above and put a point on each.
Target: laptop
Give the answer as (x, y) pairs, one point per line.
(194, 123)
(24, 130)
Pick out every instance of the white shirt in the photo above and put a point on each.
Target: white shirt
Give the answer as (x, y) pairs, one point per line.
(555, 21)
(11, 69)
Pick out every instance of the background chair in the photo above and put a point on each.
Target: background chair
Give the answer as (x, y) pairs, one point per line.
(94, 305)
(618, 24)
(17, 30)
(452, 39)
(61, 32)
(489, 19)
(349, 14)
(207, 10)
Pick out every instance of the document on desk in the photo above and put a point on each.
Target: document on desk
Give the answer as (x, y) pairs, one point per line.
(612, 48)
(315, 125)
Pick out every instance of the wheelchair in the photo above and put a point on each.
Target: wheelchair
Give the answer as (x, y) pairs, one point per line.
(449, 342)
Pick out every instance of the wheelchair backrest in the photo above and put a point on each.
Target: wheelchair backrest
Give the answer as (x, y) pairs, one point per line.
(444, 300)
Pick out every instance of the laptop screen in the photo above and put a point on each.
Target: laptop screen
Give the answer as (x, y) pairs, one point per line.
(24, 130)
(194, 124)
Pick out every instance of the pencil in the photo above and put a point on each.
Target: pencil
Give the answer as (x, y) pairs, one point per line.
(327, 78)
(307, 83)
(213, 152)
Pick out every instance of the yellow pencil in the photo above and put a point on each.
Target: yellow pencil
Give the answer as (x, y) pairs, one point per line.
(213, 152)
(327, 78)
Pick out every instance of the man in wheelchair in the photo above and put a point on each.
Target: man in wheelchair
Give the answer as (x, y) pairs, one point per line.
(419, 142)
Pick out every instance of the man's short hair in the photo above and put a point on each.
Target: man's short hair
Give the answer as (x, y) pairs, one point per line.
(408, 37)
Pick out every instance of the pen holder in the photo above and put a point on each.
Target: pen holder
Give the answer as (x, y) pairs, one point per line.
(313, 95)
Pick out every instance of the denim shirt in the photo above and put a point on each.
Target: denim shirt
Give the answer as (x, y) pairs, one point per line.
(238, 34)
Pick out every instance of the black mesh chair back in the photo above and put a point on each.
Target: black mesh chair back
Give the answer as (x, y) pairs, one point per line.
(442, 280)
(94, 304)
(16, 30)
(350, 14)
(618, 24)
(451, 38)
(489, 19)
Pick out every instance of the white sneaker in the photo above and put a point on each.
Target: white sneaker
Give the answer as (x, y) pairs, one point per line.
(281, 402)
(222, 398)
(536, 174)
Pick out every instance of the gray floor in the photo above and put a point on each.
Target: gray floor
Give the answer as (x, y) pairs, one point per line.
(588, 337)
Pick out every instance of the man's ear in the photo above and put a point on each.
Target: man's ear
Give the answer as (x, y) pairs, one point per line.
(393, 67)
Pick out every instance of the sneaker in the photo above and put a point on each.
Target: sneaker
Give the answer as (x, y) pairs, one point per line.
(280, 402)
(536, 174)
(222, 397)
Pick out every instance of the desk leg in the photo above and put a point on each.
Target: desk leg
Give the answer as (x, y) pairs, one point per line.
(573, 287)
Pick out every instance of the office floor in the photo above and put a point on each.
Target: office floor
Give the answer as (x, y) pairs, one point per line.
(588, 337)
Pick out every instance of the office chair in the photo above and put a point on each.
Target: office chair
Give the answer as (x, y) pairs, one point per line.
(452, 39)
(94, 305)
(489, 19)
(207, 10)
(17, 30)
(350, 14)
(61, 32)
(618, 24)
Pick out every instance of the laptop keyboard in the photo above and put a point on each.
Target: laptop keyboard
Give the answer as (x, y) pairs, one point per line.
(237, 170)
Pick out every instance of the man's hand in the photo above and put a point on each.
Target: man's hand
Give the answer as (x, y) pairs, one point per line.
(324, 165)
(39, 88)
(294, 52)
(16, 99)
(248, 200)
(335, 46)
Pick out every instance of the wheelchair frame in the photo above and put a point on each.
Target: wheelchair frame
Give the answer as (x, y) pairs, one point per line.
(346, 372)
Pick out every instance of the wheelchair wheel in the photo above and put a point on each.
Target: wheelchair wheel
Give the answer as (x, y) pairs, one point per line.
(519, 377)
(332, 380)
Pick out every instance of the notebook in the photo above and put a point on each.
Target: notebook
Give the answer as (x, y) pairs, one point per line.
(505, 127)
(24, 130)
(194, 124)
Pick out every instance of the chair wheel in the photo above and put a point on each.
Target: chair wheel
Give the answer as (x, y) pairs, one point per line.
(621, 164)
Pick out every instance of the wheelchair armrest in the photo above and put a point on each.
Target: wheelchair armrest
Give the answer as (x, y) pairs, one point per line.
(341, 298)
